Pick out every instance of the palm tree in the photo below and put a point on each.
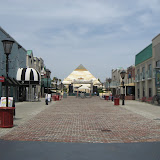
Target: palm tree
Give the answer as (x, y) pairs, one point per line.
(59, 80)
(55, 79)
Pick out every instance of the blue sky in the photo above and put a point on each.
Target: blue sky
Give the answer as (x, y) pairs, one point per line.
(100, 34)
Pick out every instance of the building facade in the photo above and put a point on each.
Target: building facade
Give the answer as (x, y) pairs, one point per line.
(17, 59)
(130, 83)
(145, 63)
(81, 80)
(116, 81)
(25, 72)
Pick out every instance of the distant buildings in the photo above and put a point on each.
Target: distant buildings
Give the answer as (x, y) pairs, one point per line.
(140, 80)
(81, 80)
(116, 84)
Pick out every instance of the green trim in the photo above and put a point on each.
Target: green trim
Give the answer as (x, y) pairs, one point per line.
(44, 82)
(145, 54)
(29, 52)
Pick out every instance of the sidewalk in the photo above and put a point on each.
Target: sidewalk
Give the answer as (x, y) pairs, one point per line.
(24, 112)
(146, 110)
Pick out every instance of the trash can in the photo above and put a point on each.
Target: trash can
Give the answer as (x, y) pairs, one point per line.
(6, 117)
(116, 101)
(107, 98)
(57, 97)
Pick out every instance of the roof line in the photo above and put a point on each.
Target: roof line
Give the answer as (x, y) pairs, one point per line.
(8, 35)
(143, 49)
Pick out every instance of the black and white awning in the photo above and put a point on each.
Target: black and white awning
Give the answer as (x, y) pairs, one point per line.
(28, 75)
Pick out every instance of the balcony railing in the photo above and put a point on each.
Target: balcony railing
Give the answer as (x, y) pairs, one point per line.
(149, 74)
(114, 84)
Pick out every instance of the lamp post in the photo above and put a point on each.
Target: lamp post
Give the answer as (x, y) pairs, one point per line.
(7, 45)
(122, 76)
(102, 89)
(47, 74)
(56, 84)
(109, 81)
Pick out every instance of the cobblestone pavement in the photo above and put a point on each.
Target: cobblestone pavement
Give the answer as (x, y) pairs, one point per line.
(86, 120)
(24, 112)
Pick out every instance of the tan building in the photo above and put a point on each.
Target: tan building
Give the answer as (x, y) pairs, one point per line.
(146, 62)
(116, 81)
(81, 80)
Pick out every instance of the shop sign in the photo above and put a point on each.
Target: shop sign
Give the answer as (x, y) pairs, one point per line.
(1, 79)
(3, 101)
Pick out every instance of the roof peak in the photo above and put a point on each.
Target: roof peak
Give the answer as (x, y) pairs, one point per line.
(80, 68)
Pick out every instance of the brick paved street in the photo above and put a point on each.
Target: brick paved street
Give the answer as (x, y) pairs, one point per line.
(86, 120)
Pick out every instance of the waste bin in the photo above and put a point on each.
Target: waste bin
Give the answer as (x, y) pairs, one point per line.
(107, 98)
(6, 117)
(116, 101)
(57, 97)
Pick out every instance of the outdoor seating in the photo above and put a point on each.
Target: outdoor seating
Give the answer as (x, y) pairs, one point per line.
(149, 100)
(143, 99)
(82, 95)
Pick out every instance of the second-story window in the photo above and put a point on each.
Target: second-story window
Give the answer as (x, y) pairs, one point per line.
(149, 70)
(138, 74)
(129, 75)
(143, 73)
(158, 64)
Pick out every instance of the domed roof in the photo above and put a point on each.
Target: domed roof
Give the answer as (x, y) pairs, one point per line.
(28, 74)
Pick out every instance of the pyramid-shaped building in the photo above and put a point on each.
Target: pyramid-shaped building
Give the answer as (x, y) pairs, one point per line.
(81, 77)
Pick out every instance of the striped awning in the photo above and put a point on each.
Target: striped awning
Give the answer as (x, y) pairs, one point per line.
(29, 75)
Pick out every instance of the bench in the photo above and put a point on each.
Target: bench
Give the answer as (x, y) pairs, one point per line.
(143, 99)
(149, 100)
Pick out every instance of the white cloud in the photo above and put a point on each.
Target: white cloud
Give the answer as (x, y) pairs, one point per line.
(108, 33)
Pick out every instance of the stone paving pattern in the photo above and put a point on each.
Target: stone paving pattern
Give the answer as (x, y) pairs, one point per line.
(89, 120)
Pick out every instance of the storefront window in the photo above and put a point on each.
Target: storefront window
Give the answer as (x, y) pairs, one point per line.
(150, 92)
(143, 92)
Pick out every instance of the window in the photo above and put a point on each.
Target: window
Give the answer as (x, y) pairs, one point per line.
(158, 64)
(129, 75)
(150, 92)
(149, 71)
(143, 73)
(138, 92)
(143, 92)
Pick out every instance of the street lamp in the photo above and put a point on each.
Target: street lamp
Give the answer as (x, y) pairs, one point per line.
(122, 76)
(7, 45)
(109, 81)
(48, 75)
(102, 89)
(56, 84)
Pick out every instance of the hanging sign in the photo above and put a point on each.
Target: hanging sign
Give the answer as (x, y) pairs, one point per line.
(1, 79)
(3, 101)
